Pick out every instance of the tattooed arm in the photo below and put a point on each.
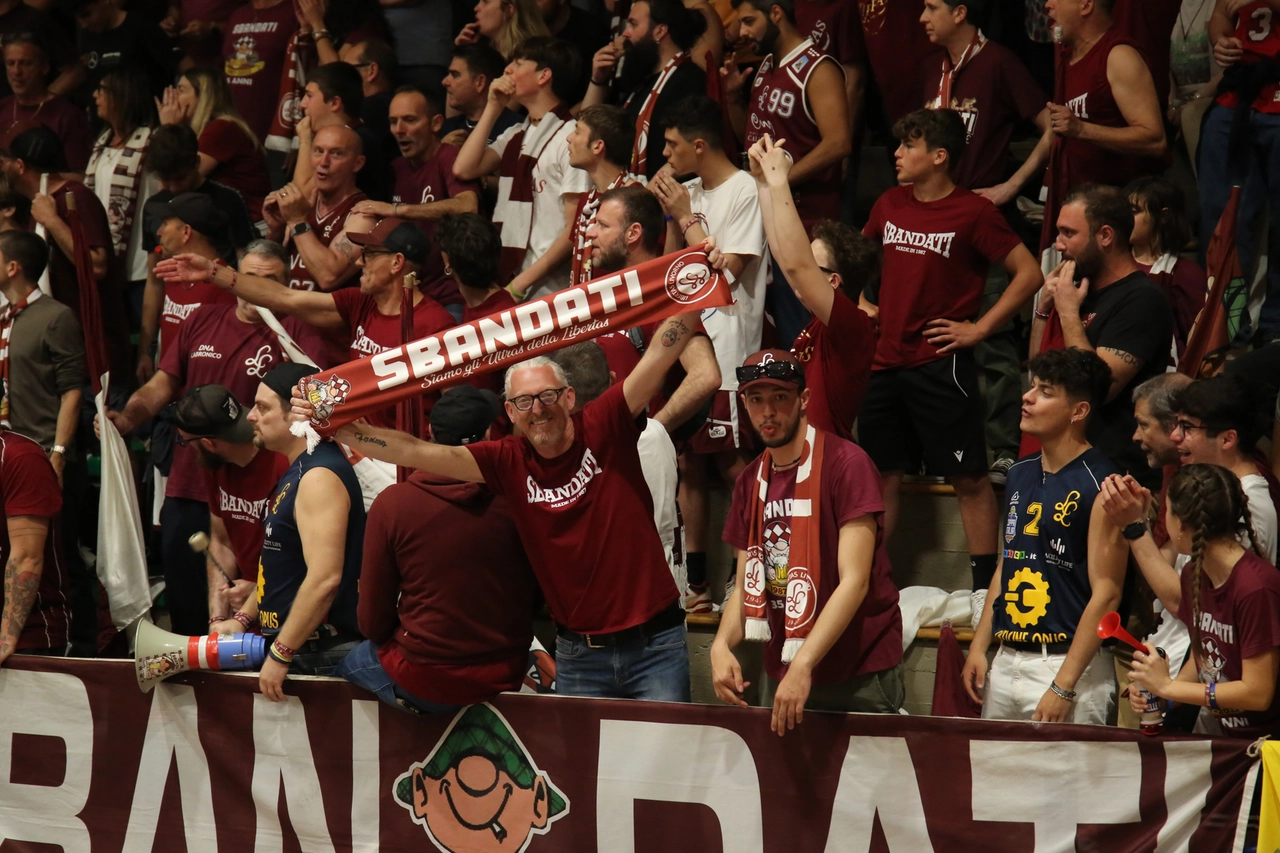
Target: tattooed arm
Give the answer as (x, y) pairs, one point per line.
(27, 534)
(333, 265)
(400, 448)
(669, 342)
(1124, 366)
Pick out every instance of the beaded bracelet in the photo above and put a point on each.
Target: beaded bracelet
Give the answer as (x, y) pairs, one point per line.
(697, 217)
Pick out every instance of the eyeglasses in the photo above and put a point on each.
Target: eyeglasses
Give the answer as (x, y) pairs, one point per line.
(547, 398)
(372, 253)
(1187, 426)
(827, 271)
(784, 371)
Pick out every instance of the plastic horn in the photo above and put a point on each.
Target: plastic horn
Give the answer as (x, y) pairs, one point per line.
(159, 654)
(1109, 627)
(199, 542)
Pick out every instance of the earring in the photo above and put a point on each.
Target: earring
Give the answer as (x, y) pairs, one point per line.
(448, 270)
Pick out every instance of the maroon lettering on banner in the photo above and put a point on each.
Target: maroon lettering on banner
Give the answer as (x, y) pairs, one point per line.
(204, 763)
(663, 287)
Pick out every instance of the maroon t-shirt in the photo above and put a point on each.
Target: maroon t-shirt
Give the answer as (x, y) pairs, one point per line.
(993, 92)
(241, 164)
(62, 117)
(431, 181)
(833, 26)
(181, 299)
(446, 590)
(936, 256)
(898, 52)
(238, 496)
(372, 332)
(215, 347)
(1185, 285)
(850, 488)
(586, 519)
(253, 51)
(28, 486)
(499, 300)
(837, 364)
(1238, 620)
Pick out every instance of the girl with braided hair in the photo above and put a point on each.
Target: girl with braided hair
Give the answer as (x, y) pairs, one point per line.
(1231, 602)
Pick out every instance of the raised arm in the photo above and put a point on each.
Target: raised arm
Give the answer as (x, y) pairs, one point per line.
(701, 380)
(669, 341)
(314, 307)
(331, 266)
(476, 158)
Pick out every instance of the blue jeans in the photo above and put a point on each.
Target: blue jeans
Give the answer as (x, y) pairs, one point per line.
(657, 670)
(363, 669)
(1260, 191)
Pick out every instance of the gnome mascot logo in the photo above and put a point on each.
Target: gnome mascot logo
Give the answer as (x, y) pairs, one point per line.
(479, 790)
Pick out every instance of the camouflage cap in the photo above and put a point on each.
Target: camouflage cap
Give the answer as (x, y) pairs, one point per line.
(479, 731)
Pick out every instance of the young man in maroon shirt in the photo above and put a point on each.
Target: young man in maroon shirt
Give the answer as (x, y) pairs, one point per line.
(240, 478)
(446, 593)
(426, 189)
(850, 656)
(579, 499)
(923, 401)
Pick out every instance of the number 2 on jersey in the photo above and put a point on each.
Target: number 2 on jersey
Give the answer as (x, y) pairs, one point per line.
(1032, 527)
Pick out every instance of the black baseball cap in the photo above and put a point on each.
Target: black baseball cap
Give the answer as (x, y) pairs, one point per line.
(195, 209)
(284, 378)
(395, 235)
(211, 411)
(462, 414)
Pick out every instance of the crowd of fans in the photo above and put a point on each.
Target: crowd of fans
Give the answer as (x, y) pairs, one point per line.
(258, 190)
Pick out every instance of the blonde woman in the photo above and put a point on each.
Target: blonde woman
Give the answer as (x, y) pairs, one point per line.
(230, 153)
(505, 23)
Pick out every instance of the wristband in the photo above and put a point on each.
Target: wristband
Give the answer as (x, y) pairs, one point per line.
(518, 297)
(697, 217)
(213, 620)
(1211, 694)
(595, 82)
(60, 449)
(395, 210)
(281, 652)
(1043, 315)
(316, 35)
(244, 619)
(235, 277)
(1069, 695)
(1134, 531)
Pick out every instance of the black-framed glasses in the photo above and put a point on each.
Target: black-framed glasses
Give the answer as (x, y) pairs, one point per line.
(370, 252)
(783, 371)
(1187, 426)
(827, 271)
(547, 398)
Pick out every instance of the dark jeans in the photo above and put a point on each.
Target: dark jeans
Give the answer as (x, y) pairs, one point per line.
(362, 668)
(657, 669)
(186, 587)
(322, 661)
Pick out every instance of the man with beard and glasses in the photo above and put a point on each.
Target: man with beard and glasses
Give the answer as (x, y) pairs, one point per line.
(816, 582)
(426, 189)
(1105, 303)
(657, 74)
(240, 478)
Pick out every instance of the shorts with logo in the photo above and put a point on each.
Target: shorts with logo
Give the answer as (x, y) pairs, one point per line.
(727, 426)
(930, 412)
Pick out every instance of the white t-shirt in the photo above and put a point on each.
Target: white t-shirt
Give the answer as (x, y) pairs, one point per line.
(662, 475)
(1171, 634)
(553, 179)
(733, 218)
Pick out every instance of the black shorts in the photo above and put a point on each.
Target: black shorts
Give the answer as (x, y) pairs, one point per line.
(932, 412)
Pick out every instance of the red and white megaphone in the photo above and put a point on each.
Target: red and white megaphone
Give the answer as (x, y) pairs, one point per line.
(158, 654)
(1109, 626)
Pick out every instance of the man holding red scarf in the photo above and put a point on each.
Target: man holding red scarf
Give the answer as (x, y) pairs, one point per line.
(815, 578)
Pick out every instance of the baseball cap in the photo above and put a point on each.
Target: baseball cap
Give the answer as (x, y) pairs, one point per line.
(462, 414)
(283, 378)
(396, 235)
(195, 209)
(33, 144)
(211, 411)
(771, 367)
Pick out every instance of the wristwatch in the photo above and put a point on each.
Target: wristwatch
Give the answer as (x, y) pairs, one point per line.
(58, 448)
(300, 229)
(1134, 531)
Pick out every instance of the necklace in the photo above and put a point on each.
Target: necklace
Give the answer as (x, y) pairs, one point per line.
(39, 107)
(1182, 24)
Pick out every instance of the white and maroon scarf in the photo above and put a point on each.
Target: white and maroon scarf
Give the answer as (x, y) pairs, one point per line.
(126, 180)
(640, 148)
(588, 207)
(293, 84)
(514, 209)
(943, 100)
(10, 313)
(804, 560)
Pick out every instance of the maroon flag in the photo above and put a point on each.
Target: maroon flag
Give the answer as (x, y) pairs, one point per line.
(408, 410)
(1209, 336)
(95, 342)
(950, 699)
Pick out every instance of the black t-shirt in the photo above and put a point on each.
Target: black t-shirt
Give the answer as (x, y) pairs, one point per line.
(1131, 315)
(238, 233)
(688, 79)
(375, 112)
(459, 122)
(374, 178)
(587, 34)
(135, 44)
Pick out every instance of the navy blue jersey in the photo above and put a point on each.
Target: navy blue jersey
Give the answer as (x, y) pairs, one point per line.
(281, 568)
(1044, 580)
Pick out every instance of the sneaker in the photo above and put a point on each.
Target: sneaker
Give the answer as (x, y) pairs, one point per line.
(977, 601)
(999, 470)
(698, 599)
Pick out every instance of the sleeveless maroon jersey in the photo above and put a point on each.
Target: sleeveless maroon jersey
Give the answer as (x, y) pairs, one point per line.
(780, 107)
(1088, 94)
(325, 230)
(1258, 28)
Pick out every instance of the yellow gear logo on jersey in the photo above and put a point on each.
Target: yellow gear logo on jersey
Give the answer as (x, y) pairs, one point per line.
(1027, 589)
(1064, 509)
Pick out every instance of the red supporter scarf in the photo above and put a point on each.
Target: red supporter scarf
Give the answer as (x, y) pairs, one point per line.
(804, 560)
(514, 210)
(639, 149)
(293, 85)
(10, 314)
(588, 206)
(949, 72)
(673, 284)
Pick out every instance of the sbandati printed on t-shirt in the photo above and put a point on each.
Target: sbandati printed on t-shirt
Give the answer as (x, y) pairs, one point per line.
(673, 284)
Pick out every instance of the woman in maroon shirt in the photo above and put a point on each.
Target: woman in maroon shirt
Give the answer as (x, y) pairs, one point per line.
(230, 153)
(1230, 600)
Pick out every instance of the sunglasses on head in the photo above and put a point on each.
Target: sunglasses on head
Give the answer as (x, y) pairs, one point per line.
(783, 371)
